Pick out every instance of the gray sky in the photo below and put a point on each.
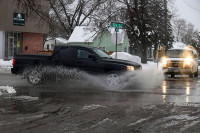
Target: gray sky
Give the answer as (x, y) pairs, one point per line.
(189, 10)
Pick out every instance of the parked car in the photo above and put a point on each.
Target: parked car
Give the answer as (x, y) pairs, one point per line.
(85, 58)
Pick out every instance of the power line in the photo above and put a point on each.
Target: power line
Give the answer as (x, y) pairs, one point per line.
(191, 6)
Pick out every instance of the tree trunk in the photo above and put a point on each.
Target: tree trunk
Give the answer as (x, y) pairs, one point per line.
(144, 54)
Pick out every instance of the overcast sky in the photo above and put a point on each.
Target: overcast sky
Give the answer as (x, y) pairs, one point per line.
(189, 10)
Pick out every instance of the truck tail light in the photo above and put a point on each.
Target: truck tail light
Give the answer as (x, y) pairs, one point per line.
(13, 62)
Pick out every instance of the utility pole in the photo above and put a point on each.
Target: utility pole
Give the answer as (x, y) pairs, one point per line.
(166, 37)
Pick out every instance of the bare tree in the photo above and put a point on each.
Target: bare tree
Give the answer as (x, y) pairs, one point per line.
(64, 15)
(179, 28)
(145, 25)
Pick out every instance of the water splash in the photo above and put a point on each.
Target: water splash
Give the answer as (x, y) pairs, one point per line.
(79, 79)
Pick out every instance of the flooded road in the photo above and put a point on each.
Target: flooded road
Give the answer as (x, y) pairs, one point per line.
(172, 106)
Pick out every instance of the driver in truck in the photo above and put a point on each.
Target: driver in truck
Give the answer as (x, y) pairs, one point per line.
(181, 62)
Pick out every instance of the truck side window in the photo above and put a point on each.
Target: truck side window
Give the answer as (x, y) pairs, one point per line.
(83, 53)
(65, 53)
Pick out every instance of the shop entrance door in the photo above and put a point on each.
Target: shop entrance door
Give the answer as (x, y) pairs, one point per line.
(14, 44)
(10, 47)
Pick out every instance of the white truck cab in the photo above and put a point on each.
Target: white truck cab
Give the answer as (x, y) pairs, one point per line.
(181, 62)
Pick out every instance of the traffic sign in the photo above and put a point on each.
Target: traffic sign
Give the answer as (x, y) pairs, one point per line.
(119, 25)
(117, 29)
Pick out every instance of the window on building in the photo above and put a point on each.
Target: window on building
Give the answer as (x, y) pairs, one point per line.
(125, 49)
(47, 46)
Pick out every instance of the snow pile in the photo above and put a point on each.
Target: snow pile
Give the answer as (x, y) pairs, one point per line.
(6, 90)
(61, 40)
(5, 63)
(92, 107)
(179, 45)
(126, 56)
(83, 34)
(26, 98)
(150, 65)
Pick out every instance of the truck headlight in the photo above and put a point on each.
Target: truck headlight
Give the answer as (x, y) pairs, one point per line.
(130, 68)
(188, 61)
(164, 62)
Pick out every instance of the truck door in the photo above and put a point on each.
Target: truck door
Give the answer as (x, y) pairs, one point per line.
(84, 62)
(65, 57)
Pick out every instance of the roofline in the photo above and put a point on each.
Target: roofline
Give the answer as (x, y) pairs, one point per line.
(75, 46)
(79, 42)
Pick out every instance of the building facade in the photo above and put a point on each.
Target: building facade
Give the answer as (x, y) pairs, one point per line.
(90, 36)
(19, 32)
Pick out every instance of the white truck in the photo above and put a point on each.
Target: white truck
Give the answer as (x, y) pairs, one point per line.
(181, 62)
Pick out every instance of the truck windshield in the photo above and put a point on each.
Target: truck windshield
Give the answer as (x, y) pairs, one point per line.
(101, 53)
(179, 53)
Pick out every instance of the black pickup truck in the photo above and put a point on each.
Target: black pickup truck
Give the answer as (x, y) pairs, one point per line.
(85, 58)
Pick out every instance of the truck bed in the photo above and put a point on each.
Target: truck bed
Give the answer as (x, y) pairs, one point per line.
(30, 60)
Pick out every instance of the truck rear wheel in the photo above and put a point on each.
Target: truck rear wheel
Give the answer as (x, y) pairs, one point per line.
(35, 77)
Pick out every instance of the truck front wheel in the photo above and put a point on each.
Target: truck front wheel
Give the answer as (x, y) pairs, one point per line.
(172, 75)
(196, 73)
(113, 80)
(191, 75)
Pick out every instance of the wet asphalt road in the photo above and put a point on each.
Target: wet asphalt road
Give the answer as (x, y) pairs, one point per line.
(172, 106)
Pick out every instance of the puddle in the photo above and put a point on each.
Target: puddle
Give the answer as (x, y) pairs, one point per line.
(11, 103)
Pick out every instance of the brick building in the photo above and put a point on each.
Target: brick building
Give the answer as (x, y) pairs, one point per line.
(20, 33)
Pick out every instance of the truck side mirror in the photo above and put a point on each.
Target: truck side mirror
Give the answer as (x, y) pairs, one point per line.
(91, 56)
(194, 56)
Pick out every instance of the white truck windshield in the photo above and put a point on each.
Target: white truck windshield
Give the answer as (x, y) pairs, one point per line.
(179, 53)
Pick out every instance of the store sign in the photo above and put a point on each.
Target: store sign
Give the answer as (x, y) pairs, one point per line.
(19, 19)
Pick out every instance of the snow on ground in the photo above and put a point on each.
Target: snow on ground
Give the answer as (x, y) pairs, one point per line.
(126, 56)
(5, 63)
(5, 66)
(6, 90)
(26, 98)
(150, 65)
(92, 107)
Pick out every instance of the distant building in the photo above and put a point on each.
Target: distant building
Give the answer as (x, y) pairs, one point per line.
(91, 36)
(50, 43)
(20, 33)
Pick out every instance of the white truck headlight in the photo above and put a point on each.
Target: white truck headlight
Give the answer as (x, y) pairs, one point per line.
(188, 61)
(164, 62)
